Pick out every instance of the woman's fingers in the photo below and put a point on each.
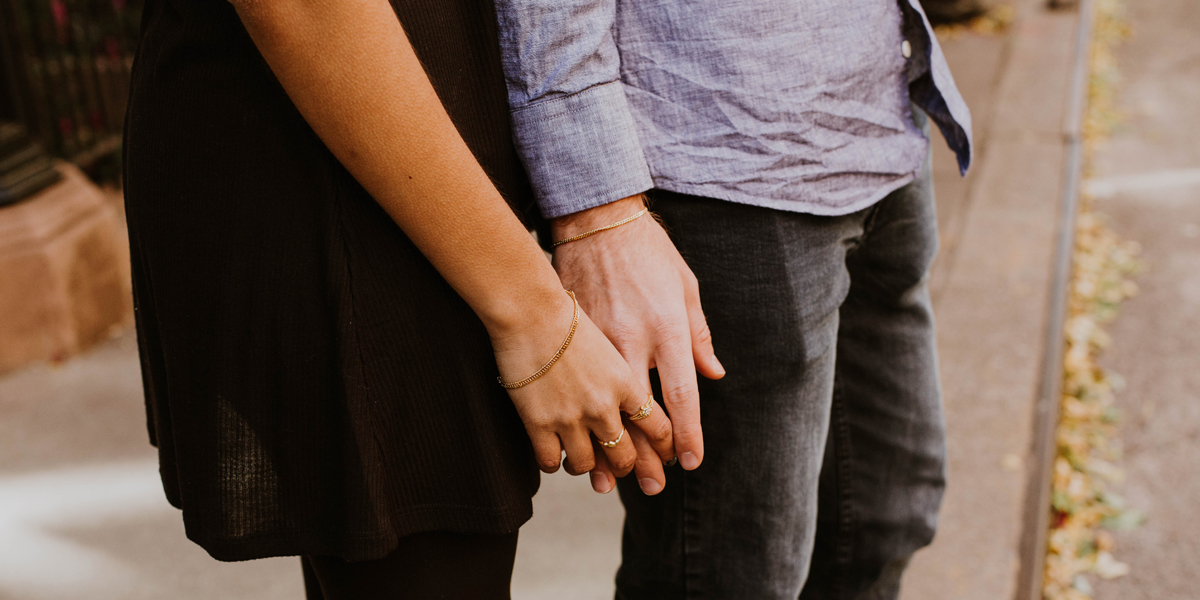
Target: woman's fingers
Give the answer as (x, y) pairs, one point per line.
(582, 399)
(620, 455)
(655, 425)
(649, 470)
(578, 444)
(547, 450)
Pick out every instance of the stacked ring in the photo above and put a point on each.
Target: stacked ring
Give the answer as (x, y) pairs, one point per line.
(613, 444)
(646, 409)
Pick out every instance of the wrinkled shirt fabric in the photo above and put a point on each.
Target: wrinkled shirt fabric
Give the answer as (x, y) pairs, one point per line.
(799, 105)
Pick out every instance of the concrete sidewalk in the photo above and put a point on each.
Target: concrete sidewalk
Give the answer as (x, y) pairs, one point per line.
(992, 298)
(80, 427)
(1147, 179)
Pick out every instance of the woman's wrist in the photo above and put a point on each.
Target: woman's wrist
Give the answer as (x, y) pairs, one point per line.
(521, 314)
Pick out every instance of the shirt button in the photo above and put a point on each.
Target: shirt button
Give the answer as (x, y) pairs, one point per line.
(906, 49)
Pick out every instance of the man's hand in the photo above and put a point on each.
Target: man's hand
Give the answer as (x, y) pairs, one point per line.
(638, 290)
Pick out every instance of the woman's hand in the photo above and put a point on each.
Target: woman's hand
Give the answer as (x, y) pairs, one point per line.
(579, 401)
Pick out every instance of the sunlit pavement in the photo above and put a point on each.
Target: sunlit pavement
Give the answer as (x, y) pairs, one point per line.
(105, 531)
(1147, 178)
(82, 511)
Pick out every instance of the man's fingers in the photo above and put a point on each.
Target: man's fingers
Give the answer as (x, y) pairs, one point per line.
(649, 469)
(677, 374)
(603, 480)
(702, 347)
(655, 427)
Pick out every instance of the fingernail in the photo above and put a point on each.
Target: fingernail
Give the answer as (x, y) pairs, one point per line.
(670, 463)
(649, 486)
(689, 460)
(600, 482)
(717, 366)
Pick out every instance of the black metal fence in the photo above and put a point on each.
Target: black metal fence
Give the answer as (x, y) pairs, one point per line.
(64, 71)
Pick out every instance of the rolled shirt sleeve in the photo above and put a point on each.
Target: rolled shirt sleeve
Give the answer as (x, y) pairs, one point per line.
(571, 123)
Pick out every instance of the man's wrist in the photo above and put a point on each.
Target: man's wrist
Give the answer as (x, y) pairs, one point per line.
(583, 221)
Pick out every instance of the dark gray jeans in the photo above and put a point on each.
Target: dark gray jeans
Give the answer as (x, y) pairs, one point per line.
(824, 445)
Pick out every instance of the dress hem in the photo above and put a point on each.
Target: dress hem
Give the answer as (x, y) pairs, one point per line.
(361, 546)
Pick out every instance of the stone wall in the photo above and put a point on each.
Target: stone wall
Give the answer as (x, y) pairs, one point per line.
(64, 273)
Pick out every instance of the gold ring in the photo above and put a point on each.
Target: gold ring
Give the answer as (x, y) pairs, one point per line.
(613, 444)
(646, 409)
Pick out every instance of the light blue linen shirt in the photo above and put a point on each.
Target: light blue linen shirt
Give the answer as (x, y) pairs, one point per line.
(800, 105)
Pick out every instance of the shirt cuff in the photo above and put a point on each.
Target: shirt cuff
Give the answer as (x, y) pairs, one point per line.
(581, 150)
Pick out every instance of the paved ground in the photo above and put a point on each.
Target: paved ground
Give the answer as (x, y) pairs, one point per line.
(81, 513)
(991, 292)
(1150, 178)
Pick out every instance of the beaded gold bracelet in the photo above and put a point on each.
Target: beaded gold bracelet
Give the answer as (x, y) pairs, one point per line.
(605, 228)
(557, 355)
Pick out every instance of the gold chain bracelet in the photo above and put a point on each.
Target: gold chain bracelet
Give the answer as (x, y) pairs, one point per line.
(605, 228)
(557, 355)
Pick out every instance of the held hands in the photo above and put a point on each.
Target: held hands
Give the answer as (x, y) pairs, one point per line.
(578, 401)
(647, 307)
(645, 299)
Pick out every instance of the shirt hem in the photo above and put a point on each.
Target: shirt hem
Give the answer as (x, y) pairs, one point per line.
(797, 206)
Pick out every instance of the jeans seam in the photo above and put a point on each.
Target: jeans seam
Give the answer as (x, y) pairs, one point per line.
(844, 547)
(871, 217)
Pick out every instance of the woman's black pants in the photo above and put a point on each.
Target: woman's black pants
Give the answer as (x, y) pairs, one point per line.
(442, 565)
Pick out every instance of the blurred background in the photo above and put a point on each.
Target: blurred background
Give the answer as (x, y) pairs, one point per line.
(1067, 292)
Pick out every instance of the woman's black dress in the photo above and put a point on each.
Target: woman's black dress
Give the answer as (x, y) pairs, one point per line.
(312, 384)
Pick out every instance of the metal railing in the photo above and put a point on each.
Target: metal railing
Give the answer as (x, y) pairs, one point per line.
(64, 71)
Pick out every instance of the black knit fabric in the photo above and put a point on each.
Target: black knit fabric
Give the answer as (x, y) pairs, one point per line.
(314, 387)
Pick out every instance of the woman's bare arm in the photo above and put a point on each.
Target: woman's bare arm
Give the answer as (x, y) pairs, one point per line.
(348, 67)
